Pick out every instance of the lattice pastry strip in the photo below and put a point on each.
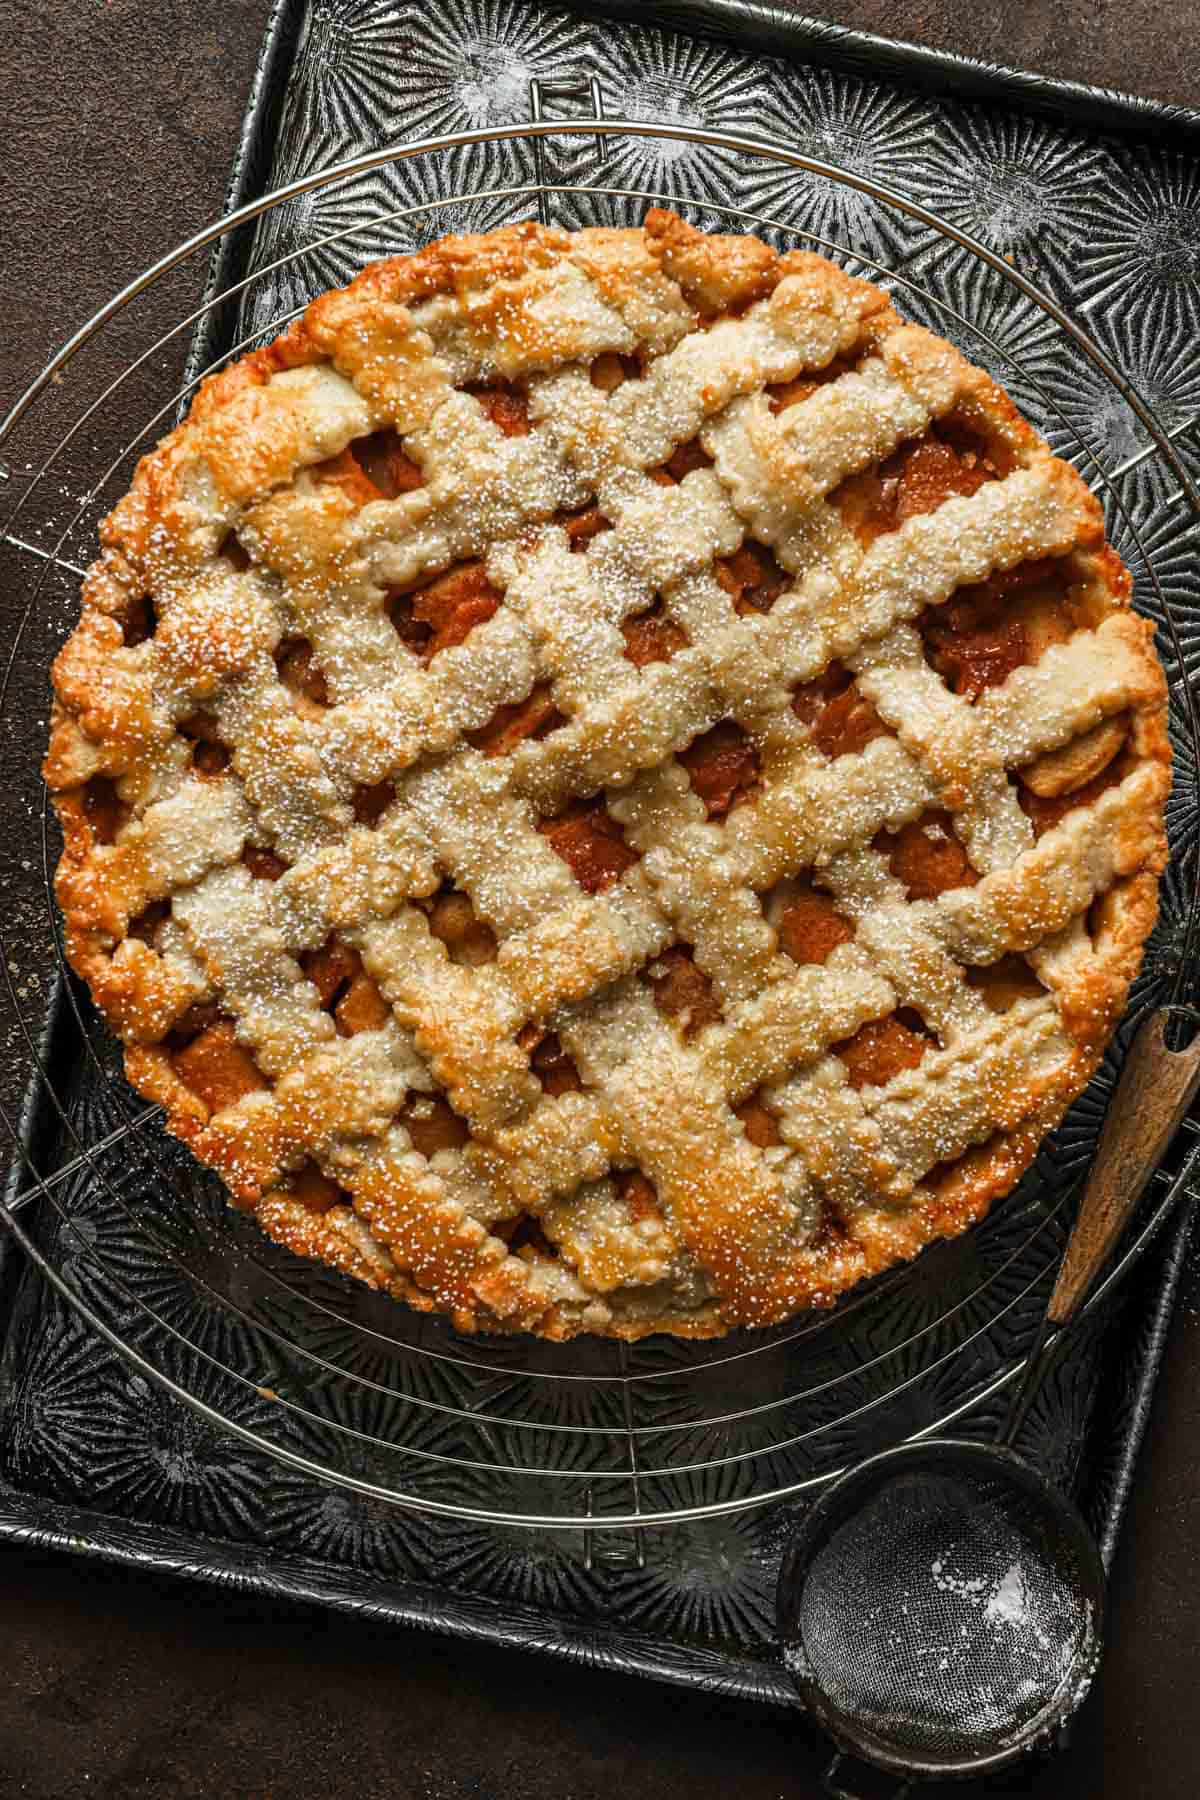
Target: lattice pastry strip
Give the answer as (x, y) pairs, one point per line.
(608, 782)
(894, 934)
(777, 468)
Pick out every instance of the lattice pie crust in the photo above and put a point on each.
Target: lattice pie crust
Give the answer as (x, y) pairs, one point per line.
(609, 784)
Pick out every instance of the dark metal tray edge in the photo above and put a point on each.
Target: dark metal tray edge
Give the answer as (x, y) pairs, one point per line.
(38, 1523)
(778, 31)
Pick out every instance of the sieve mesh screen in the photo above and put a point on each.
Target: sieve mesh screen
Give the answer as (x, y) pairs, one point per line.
(946, 1616)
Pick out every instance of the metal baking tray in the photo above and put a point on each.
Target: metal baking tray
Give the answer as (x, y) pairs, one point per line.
(591, 1505)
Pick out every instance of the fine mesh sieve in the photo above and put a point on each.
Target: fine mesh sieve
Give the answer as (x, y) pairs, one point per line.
(942, 1610)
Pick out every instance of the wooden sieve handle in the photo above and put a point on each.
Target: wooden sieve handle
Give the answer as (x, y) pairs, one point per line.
(1156, 1088)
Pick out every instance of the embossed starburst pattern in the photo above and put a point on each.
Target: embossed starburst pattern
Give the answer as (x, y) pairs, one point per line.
(349, 63)
(1013, 184)
(673, 81)
(863, 130)
(1140, 252)
(467, 64)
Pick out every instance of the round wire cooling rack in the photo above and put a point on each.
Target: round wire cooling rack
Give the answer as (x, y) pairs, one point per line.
(334, 1381)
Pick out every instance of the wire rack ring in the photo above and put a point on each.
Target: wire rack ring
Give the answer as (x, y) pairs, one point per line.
(589, 1438)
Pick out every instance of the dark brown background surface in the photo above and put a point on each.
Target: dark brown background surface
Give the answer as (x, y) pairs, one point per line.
(122, 116)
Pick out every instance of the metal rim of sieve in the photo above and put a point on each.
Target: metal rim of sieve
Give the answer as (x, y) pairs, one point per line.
(840, 1503)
